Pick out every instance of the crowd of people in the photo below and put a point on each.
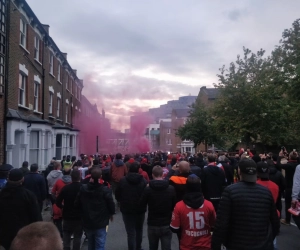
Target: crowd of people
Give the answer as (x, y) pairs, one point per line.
(209, 200)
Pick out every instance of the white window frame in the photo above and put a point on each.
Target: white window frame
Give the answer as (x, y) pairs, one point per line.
(50, 103)
(58, 73)
(36, 96)
(58, 103)
(67, 112)
(67, 81)
(24, 83)
(37, 149)
(168, 131)
(51, 59)
(37, 48)
(23, 33)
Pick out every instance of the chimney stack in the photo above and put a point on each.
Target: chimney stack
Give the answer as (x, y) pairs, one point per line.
(75, 71)
(65, 55)
(46, 27)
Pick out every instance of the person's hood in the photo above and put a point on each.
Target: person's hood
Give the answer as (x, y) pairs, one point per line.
(272, 170)
(55, 174)
(118, 162)
(91, 186)
(159, 185)
(66, 179)
(134, 178)
(193, 199)
(213, 169)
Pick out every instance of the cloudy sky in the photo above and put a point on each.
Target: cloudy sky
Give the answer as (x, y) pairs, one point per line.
(137, 54)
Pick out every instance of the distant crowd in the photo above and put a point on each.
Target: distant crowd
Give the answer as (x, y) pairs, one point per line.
(209, 200)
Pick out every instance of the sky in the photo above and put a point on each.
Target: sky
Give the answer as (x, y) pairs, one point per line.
(136, 54)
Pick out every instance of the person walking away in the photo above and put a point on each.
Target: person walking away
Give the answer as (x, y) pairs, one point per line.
(57, 213)
(18, 208)
(24, 168)
(296, 193)
(194, 168)
(247, 218)
(71, 215)
(289, 168)
(97, 207)
(36, 183)
(193, 218)
(128, 193)
(161, 199)
(277, 177)
(118, 170)
(213, 181)
(53, 176)
(4, 170)
(179, 174)
(263, 179)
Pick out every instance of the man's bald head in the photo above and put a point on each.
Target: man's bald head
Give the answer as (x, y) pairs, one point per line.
(184, 167)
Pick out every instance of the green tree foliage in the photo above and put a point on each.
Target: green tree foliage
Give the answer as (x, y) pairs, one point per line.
(199, 127)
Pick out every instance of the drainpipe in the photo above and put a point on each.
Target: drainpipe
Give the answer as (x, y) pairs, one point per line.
(6, 79)
(43, 78)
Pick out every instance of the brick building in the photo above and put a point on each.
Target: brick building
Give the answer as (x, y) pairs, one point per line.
(44, 93)
(3, 74)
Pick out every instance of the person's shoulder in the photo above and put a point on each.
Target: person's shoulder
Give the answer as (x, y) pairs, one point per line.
(208, 205)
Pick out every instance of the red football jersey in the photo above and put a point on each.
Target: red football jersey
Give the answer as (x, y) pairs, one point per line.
(195, 225)
(272, 186)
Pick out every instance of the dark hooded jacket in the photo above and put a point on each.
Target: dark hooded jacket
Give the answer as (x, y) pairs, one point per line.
(277, 177)
(118, 169)
(161, 199)
(289, 168)
(18, 208)
(193, 199)
(212, 182)
(129, 192)
(97, 205)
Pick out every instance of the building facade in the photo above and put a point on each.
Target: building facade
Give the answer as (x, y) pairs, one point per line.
(44, 93)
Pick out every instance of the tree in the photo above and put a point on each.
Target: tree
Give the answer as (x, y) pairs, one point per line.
(199, 127)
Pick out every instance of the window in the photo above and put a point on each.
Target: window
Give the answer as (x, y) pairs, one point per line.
(58, 108)
(36, 49)
(58, 145)
(169, 142)
(67, 81)
(23, 31)
(188, 149)
(75, 91)
(22, 89)
(51, 63)
(1, 74)
(67, 113)
(168, 131)
(71, 86)
(36, 96)
(2, 15)
(58, 73)
(34, 147)
(50, 103)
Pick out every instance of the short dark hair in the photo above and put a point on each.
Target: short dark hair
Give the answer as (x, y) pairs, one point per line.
(193, 183)
(134, 167)
(34, 167)
(192, 160)
(25, 164)
(96, 173)
(157, 171)
(211, 157)
(118, 156)
(37, 234)
(75, 175)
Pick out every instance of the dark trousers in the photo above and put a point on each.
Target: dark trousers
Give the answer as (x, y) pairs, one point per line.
(279, 203)
(164, 234)
(288, 203)
(58, 224)
(297, 220)
(72, 227)
(134, 228)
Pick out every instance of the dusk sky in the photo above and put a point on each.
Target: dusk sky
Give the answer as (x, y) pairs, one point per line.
(133, 55)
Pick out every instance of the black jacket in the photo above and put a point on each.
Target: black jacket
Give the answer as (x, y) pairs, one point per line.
(277, 177)
(247, 218)
(289, 168)
(24, 170)
(36, 183)
(178, 181)
(161, 199)
(129, 192)
(18, 208)
(229, 170)
(196, 170)
(212, 182)
(96, 204)
(66, 200)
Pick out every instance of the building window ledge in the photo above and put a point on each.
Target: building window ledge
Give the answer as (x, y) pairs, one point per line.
(67, 123)
(51, 74)
(59, 82)
(37, 61)
(23, 107)
(50, 116)
(24, 49)
(59, 120)
(37, 112)
(67, 90)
